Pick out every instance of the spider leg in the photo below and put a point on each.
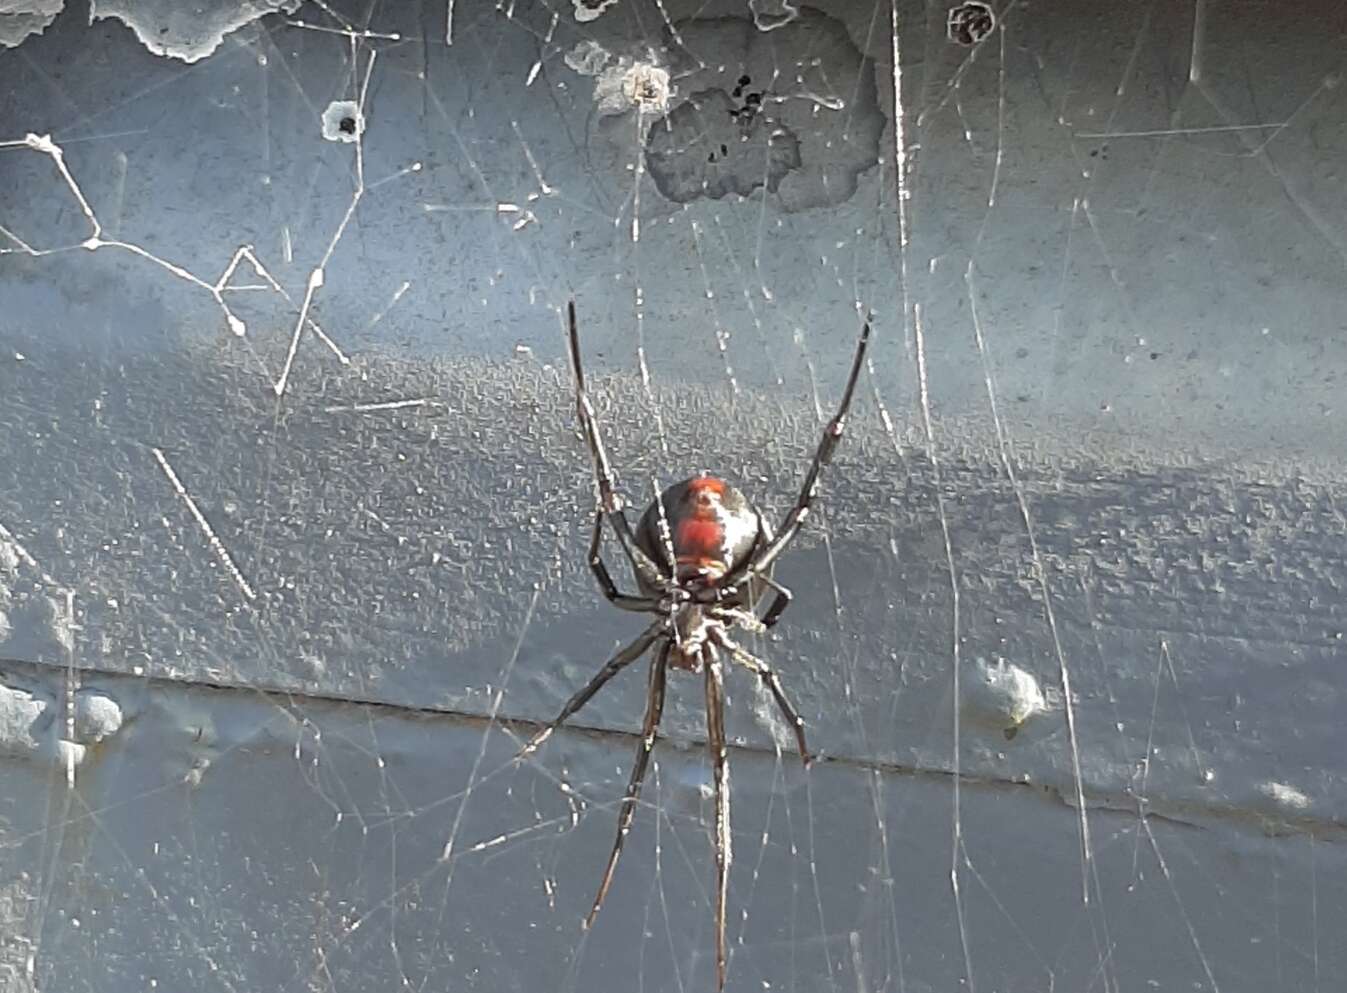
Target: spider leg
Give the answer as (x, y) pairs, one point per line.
(773, 683)
(832, 434)
(654, 707)
(610, 503)
(779, 605)
(715, 744)
(626, 601)
(611, 668)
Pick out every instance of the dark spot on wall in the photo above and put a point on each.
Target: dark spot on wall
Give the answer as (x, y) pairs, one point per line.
(680, 152)
(806, 132)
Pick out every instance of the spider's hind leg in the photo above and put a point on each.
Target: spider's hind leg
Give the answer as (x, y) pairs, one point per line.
(773, 683)
(716, 745)
(625, 656)
(654, 708)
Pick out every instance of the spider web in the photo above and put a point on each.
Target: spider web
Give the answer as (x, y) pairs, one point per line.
(294, 510)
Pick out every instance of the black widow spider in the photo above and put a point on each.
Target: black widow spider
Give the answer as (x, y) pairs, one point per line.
(702, 557)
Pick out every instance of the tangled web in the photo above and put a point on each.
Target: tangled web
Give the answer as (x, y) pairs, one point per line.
(294, 514)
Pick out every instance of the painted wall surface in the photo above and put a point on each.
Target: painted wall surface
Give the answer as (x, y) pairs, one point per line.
(294, 507)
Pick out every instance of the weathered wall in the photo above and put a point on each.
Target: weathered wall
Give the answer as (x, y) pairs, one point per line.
(293, 509)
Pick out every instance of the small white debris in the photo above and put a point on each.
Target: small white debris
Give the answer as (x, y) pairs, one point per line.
(1003, 695)
(97, 716)
(588, 58)
(1285, 795)
(590, 10)
(20, 713)
(623, 83)
(631, 85)
(32, 722)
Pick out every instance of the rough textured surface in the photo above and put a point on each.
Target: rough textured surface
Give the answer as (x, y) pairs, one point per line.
(293, 511)
(390, 573)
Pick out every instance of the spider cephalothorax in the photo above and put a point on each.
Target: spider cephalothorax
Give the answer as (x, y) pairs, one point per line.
(702, 556)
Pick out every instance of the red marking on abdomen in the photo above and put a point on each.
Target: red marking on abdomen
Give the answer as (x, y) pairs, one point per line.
(716, 486)
(698, 538)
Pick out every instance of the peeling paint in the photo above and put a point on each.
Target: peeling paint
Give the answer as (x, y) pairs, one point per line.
(189, 33)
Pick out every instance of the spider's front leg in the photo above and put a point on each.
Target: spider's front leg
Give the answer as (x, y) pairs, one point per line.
(626, 601)
(832, 434)
(779, 605)
(610, 503)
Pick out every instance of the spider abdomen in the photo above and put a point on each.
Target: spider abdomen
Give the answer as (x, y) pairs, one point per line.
(699, 541)
(712, 529)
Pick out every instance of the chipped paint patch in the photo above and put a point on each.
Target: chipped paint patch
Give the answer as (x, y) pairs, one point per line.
(187, 32)
(343, 121)
(30, 17)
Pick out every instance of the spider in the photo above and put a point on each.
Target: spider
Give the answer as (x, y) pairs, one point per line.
(702, 556)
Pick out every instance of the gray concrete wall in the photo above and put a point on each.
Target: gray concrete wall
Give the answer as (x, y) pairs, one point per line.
(294, 511)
